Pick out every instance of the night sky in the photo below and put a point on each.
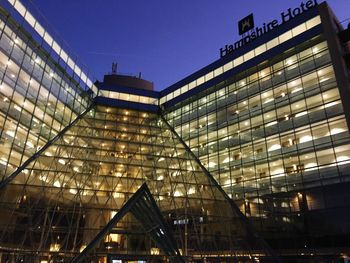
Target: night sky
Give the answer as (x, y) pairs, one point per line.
(165, 40)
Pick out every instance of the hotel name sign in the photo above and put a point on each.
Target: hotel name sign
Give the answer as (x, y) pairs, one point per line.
(247, 25)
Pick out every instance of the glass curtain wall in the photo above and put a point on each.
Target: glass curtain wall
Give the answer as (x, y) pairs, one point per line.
(274, 130)
(65, 196)
(38, 97)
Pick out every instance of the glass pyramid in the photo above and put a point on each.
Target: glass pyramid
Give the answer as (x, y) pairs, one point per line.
(62, 199)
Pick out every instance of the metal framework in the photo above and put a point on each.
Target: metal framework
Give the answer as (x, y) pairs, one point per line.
(63, 198)
(143, 206)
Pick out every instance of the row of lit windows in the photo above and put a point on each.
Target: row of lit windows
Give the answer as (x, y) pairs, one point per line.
(42, 102)
(244, 58)
(255, 164)
(290, 93)
(272, 121)
(239, 139)
(270, 76)
(28, 17)
(232, 150)
(320, 167)
(129, 97)
(40, 71)
(318, 133)
(246, 131)
(95, 141)
(201, 146)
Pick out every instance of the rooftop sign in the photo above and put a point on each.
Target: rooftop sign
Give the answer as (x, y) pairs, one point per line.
(247, 25)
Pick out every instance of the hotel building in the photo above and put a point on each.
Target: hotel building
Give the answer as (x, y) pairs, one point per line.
(246, 160)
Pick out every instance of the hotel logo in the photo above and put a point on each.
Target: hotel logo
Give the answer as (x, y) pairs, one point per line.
(246, 24)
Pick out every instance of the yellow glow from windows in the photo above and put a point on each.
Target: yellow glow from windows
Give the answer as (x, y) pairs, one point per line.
(57, 184)
(155, 251)
(160, 178)
(73, 191)
(211, 164)
(227, 160)
(191, 191)
(337, 130)
(82, 248)
(305, 138)
(331, 104)
(10, 133)
(177, 193)
(343, 159)
(301, 114)
(55, 247)
(17, 108)
(310, 166)
(274, 147)
(296, 90)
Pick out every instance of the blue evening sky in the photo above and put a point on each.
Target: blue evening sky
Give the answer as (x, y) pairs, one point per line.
(165, 40)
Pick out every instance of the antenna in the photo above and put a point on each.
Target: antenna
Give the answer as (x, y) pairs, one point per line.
(114, 68)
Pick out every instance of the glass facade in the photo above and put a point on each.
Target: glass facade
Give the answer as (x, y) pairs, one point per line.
(241, 153)
(66, 195)
(275, 137)
(256, 123)
(38, 97)
(244, 58)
